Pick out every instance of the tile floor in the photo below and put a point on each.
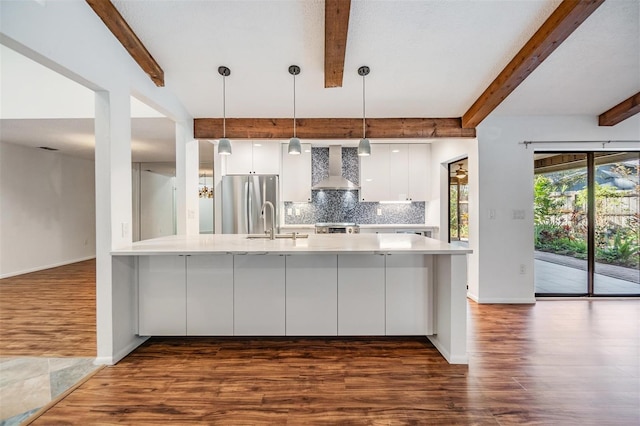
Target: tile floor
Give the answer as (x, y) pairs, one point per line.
(29, 383)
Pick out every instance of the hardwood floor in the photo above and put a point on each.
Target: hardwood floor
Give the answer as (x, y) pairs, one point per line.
(556, 362)
(50, 313)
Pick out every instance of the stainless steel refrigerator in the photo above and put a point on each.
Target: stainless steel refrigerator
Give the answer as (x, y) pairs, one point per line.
(242, 200)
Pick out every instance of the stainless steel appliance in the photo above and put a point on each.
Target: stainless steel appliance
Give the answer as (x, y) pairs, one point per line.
(337, 228)
(242, 199)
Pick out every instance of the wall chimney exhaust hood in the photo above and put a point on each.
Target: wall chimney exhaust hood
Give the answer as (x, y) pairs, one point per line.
(335, 179)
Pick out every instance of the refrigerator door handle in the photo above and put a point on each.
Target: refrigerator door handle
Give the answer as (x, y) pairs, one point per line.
(247, 197)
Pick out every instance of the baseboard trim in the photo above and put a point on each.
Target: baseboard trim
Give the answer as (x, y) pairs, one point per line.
(457, 359)
(114, 359)
(42, 268)
(516, 301)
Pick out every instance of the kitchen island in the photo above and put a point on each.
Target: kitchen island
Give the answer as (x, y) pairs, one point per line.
(320, 285)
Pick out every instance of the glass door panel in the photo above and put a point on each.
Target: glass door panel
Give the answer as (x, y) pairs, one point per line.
(617, 224)
(560, 220)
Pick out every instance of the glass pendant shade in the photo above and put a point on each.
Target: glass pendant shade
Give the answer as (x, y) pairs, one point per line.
(364, 147)
(294, 146)
(224, 147)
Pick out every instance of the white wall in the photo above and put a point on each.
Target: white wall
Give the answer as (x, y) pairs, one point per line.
(443, 152)
(156, 205)
(506, 184)
(47, 210)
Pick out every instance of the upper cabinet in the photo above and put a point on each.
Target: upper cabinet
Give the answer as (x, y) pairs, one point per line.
(374, 174)
(258, 157)
(395, 172)
(419, 161)
(296, 174)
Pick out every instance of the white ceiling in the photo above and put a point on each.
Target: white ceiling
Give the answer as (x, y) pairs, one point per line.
(427, 59)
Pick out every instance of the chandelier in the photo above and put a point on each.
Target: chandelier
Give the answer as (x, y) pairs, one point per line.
(204, 191)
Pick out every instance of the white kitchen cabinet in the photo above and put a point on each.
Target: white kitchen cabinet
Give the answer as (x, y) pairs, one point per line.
(418, 171)
(312, 295)
(296, 174)
(395, 172)
(259, 295)
(361, 295)
(162, 296)
(210, 295)
(374, 174)
(398, 172)
(253, 157)
(407, 295)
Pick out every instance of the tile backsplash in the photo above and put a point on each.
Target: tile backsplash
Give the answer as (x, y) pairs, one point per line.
(343, 205)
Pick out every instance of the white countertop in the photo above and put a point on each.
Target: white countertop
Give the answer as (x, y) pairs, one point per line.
(327, 244)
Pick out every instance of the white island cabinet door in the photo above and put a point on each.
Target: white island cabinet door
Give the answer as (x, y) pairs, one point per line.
(312, 295)
(162, 296)
(361, 295)
(210, 295)
(259, 295)
(407, 296)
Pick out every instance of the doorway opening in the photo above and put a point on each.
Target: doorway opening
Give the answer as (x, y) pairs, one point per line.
(587, 223)
(459, 202)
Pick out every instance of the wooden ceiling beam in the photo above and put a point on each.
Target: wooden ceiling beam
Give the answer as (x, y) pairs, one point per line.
(556, 29)
(125, 35)
(620, 112)
(336, 25)
(332, 128)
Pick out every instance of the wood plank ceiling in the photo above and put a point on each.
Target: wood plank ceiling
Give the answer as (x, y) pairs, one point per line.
(567, 17)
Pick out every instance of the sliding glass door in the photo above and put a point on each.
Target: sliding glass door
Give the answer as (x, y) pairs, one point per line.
(586, 216)
(617, 224)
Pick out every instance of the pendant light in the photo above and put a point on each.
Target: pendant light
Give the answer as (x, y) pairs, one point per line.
(224, 146)
(294, 143)
(364, 147)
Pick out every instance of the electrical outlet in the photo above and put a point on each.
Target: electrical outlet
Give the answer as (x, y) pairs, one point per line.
(125, 229)
(523, 269)
(289, 211)
(379, 212)
(297, 212)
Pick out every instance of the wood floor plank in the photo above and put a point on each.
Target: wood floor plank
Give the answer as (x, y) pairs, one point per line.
(49, 313)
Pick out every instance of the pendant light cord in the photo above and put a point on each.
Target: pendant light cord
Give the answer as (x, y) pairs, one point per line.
(294, 105)
(364, 132)
(224, 107)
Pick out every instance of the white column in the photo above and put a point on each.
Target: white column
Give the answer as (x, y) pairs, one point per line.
(113, 204)
(187, 168)
(450, 297)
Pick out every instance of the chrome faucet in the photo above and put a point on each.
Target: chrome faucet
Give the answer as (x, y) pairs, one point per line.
(271, 232)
